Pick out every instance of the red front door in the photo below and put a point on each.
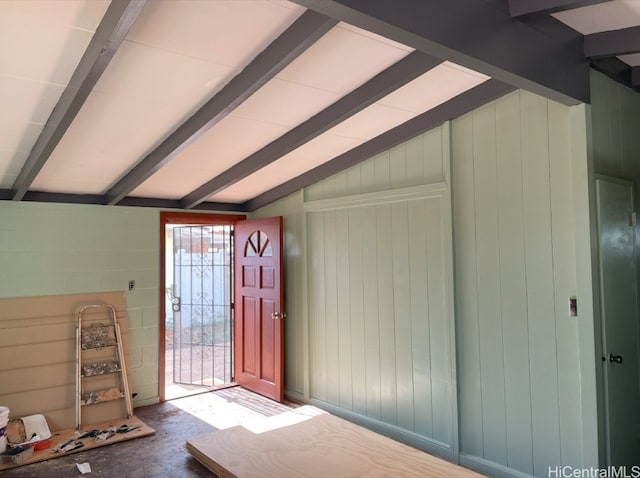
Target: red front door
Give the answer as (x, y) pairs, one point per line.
(259, 319)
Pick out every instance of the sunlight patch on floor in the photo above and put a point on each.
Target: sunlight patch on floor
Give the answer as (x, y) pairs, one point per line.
(218, 411)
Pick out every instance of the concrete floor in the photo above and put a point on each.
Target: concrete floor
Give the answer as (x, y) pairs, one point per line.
(161, 455)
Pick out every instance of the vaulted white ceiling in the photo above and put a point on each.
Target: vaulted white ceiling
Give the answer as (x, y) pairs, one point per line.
(137, 129)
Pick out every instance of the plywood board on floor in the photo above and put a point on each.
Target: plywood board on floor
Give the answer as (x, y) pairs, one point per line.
(307, 442)
(89, 442)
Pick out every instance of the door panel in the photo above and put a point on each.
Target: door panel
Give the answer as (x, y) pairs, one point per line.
(618, 282)
(259, 363)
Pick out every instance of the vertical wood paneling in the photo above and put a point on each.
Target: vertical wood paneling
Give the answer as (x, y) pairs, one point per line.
(513, 291)
(341, 186)
(441, 395)
(386, 316)
(356, 310)
(489, 298)
(397, 165)
(367, 177)
(371, 311)
(415, 159)
(541, 293)
(382, 168)
(466, 290)
(564, 265)
(519, 404)
(615, 117)
(433, 156)
(415, 162)
(343, 268)
(514, 269)
(354, 179)
(388, 349)
(420, 318)
(317, 315)
(331, 307)
(606, 132)
(402, 314)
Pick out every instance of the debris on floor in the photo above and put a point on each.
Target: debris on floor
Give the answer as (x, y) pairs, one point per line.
(69, 441)
(17, 454)
(84, 468)
(68, 446)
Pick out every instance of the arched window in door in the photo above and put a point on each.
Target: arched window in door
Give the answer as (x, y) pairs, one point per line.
(258, 245)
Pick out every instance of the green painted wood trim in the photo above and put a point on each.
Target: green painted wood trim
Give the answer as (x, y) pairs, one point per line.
(489, 468)
(379, 197)
(587, 288)
(430, 446)
(450, 287)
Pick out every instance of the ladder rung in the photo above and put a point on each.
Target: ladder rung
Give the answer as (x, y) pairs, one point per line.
(100, 347)
(100, 368)
(100, 396)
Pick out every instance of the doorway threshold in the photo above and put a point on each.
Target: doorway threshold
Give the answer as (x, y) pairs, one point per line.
(174, 391)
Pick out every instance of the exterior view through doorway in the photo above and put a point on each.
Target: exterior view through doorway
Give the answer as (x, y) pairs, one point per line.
(221, 303)
(196, 343)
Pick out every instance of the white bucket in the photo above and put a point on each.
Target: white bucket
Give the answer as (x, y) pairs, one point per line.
(4, 420)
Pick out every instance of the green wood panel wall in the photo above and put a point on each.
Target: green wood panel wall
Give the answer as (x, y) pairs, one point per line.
(49, 249)
(369, 299)
(379, 316)
(415, 162)
(615, 120)
(514, 252)
(615, 113)
(371, 331)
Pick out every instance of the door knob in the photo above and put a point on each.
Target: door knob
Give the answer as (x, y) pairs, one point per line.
(615, 358)
(278, 315)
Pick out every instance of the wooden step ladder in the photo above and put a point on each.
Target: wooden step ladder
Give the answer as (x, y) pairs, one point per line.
(99, 353)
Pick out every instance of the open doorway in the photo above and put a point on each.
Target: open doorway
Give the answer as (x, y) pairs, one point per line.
(196, 337)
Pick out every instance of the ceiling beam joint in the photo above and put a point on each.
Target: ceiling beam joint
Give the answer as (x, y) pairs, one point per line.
(476, 34)
(521, 8)
(612, 43)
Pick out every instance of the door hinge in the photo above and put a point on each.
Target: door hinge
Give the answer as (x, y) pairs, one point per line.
(232, 233)
(632, 219)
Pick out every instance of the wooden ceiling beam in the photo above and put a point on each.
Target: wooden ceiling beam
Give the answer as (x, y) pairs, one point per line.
(520, 8)
(397, 75)
(635, 76)
(116, 23)
(612, 43)
(457, 106)
(477, 34)
(303, 33)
